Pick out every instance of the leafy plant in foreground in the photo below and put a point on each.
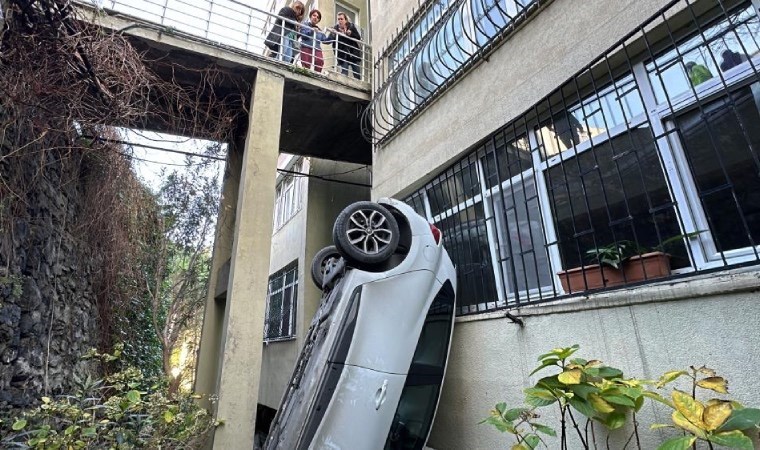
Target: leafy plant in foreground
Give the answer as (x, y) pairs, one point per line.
(124, 410)
(587, 389)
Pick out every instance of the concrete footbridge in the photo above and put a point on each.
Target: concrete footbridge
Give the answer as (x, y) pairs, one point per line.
(312, 111)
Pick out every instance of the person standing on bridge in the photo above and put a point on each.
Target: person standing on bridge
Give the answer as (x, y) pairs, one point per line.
(311, 41)
(347, 46)
(282, 39)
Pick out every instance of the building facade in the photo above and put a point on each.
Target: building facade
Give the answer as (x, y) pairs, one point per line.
(538, 135)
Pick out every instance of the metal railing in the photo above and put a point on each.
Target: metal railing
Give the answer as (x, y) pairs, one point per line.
(441, 45)
(641, 167)
(233, 24)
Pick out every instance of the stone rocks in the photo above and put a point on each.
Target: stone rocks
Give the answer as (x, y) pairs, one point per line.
(47, 313)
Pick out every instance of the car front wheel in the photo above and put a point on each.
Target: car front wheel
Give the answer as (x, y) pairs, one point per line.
(366, 234)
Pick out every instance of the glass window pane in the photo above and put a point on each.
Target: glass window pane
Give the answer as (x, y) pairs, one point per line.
(522, 250)
(466, 240)
(721, 145)
(611, 107)
(727, 43)
(609, 194)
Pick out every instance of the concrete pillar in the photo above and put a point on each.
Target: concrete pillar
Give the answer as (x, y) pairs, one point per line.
(249, 269)
(209, 353)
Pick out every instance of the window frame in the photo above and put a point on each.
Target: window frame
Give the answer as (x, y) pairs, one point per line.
(283, 335)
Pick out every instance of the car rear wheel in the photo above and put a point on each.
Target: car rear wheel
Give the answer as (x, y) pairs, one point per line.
(366, 234)
(324, 258)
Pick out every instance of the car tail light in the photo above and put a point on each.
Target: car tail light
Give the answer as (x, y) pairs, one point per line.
(436, 233)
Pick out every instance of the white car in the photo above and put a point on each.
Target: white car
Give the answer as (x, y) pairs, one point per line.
(371, 370)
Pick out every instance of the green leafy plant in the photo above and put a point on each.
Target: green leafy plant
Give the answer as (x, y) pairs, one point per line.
(583, 389)
(590, 390)
(614, 254)
(123, 410)
(715, 421)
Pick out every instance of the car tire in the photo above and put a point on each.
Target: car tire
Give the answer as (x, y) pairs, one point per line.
(320, 262)
(366, 234)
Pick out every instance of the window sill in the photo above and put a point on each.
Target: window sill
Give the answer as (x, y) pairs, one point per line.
(704, 285)
(281, 339)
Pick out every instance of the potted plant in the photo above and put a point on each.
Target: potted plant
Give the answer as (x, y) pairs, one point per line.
(620, 263)
(607, 272)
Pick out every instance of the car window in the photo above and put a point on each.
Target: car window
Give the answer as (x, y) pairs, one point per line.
(418, 401)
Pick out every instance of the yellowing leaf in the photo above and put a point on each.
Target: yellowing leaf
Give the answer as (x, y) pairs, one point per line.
(168, 416)
(667, 377)
(705, 371)
(716, 414)
(717, 384)
(691, 409)
(593, 363)
(519, 447)
(684, 424)
(45, 399)
(570, 376)
(599, 404)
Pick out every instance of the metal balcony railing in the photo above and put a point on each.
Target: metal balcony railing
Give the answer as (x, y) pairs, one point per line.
(229, 23)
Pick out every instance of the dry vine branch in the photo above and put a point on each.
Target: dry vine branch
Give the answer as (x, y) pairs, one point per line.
(64, 84)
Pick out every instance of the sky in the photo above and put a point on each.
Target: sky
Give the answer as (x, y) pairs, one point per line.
(148, 163)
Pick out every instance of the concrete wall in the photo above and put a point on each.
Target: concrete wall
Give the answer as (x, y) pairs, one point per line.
(278, 358)
(550, 48)
(692, 323)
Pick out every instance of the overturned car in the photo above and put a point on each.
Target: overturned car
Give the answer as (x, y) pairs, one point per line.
(370, 373)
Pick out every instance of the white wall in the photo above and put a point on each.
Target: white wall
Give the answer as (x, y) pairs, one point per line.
(490, 359)
(548, 50)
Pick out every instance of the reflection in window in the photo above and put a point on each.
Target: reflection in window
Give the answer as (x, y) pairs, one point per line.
(454, 187)
(722, 146)
(726, 44)
(490, 16)
(466, 239)
(611, 107)
(504, 160)
(613, 192)
(521, 244)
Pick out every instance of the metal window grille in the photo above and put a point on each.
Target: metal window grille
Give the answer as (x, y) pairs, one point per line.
(281, 304)
(444, 40)
(655, 146)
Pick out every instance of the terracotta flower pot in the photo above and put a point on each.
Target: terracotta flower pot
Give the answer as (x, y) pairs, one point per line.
(646, 267)
(636, 269)
(595, 276)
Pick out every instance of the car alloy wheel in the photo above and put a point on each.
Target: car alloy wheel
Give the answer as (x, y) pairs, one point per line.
(366, 233)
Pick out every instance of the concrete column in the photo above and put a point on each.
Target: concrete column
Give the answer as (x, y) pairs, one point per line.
(209, 353)
(249, 269)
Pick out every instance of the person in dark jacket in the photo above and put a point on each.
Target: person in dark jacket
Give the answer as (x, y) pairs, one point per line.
(282, 38)
(348, 51)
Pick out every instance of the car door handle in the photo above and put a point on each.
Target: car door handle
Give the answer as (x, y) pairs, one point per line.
(380, 395)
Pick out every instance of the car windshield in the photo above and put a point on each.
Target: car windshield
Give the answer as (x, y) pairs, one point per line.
(297, 416)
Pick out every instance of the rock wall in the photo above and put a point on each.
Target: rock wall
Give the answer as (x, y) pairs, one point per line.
(48, 317)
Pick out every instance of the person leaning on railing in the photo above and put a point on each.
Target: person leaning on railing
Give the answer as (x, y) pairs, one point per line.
(311, 42)
(347, 51)
(282, 39)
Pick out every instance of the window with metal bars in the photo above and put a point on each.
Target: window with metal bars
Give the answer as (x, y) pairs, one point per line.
(287, 197)
(281, 304)
(655, 146)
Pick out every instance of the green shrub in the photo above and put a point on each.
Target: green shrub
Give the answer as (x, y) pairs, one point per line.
(587, 392)
(124, 410)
